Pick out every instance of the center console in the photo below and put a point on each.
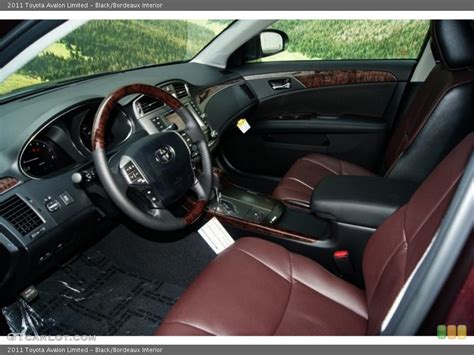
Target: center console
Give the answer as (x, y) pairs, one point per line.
(246, 205)
(254, 213)
(345, 211)
(154, 116)
(359, 200)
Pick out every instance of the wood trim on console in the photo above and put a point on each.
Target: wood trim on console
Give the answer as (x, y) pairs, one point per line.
(261, 228)
(6, 183)
(191, 205)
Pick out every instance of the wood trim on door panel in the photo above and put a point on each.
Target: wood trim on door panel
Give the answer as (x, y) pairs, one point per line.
(315, 79)
(318, 79)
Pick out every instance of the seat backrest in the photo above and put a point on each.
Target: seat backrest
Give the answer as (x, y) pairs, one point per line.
(442, 112)
(394, 250)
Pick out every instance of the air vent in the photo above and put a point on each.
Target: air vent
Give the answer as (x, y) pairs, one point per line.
(147, 104)
(20, 215)
(247, 91)
(180, 90)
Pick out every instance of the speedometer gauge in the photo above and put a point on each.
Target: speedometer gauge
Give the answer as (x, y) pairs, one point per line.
(39, 158)
(118, 128)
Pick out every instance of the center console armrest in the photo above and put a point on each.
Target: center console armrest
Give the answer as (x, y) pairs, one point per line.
(359, 200)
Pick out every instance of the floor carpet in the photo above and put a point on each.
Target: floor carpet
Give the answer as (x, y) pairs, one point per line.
(124, 285)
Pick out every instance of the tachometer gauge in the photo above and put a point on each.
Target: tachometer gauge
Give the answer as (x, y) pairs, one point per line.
(39, 158)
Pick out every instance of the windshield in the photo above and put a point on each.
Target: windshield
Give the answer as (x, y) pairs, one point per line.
(102, 46)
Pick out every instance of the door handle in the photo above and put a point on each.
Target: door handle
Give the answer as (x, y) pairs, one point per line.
(284, 84)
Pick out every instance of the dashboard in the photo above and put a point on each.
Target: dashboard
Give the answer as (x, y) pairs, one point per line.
(65, 140)
(45, 215)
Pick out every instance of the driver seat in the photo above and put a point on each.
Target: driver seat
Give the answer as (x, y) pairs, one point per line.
(259, 288)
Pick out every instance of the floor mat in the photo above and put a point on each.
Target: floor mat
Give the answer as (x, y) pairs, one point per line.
(178, 261)
(94, 295)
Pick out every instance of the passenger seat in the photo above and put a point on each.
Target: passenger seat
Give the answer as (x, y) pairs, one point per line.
(439, 117)
(256, 287)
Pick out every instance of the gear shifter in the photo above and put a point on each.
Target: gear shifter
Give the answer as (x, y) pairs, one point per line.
(218, 195)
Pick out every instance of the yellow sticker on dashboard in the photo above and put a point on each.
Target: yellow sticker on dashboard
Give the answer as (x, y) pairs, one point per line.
(243, 125)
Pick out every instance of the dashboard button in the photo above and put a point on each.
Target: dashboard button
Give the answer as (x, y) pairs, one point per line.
(37, 233)
(53, 205)
(66, 198)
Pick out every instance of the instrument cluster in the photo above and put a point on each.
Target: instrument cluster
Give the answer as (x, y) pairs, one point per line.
(67, 139)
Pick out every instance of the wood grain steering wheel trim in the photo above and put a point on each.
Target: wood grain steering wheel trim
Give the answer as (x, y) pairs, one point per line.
(103, 113)
(195, 212)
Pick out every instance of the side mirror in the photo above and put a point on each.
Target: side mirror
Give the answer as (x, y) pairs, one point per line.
(272, 42)
(266, 43)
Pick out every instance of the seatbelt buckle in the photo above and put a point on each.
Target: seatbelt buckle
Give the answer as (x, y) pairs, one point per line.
(343, 262)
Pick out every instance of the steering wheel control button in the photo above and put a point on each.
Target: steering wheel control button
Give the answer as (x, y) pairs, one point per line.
(66, 198)
(132, 174)
(151, 196)
(165, 154)
(187, 138)
(53, 205)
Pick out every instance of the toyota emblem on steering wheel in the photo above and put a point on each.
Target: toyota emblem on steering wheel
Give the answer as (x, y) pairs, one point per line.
(165, 154)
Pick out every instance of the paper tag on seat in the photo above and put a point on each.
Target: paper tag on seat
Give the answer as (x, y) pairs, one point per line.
(243, 125)
(214, 233)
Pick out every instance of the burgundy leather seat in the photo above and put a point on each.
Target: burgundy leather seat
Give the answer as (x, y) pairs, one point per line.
(439, 116)
(259, 288)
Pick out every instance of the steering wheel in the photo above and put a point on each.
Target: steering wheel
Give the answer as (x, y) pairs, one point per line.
(156, 170)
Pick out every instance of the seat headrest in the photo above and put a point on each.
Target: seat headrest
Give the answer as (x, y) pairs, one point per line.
(452, 43)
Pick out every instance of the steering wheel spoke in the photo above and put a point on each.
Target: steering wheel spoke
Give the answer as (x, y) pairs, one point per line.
(198, 188)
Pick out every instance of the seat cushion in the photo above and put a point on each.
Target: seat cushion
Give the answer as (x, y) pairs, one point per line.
(299, 182)
(259, 288)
